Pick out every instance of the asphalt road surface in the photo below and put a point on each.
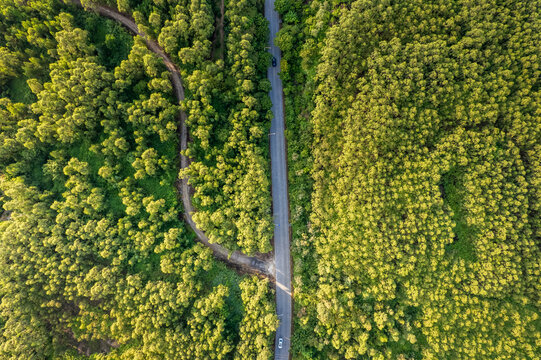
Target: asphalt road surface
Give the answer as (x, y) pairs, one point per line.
(279, 194)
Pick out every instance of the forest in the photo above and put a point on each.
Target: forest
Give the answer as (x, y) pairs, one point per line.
(95, 260)
(414, 140)
(414, 169)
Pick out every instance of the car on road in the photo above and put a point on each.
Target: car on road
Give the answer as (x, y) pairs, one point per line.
(274, 62)
(280, 343)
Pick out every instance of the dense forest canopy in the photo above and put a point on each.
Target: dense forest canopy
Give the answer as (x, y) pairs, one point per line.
(414, 150)
(94, 259)
(230, 111)
(424, 163)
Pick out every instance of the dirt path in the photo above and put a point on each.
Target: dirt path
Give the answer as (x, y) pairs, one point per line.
(236, 258)
(218, 46)
(221, 27)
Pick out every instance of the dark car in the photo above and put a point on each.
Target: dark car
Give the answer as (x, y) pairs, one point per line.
(274, 62)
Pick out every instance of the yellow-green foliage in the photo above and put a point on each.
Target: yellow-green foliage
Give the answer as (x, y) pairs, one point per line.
(94, 258)
(228, 119)
(259, 322)
(425, 206)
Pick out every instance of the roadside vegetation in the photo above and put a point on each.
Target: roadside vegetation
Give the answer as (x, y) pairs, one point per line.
(95, 261)
(423, 168)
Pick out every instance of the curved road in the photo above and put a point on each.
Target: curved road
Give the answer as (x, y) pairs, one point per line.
(236, 258)
(279, 194)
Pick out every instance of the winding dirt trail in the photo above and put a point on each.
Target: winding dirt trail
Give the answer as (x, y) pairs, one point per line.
(221, 27)
(236, 258)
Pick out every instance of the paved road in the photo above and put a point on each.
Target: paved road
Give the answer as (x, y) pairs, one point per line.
(279, 194)
(219, 251)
